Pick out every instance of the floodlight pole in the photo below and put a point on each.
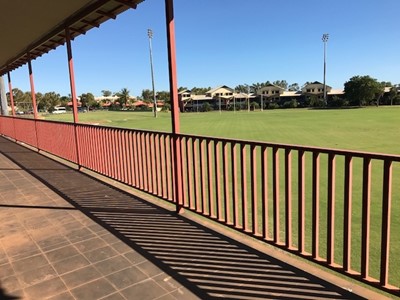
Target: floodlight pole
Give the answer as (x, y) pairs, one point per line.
(150, 34)
(325, 38)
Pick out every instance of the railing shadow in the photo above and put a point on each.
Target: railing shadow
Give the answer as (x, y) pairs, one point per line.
(209, 264)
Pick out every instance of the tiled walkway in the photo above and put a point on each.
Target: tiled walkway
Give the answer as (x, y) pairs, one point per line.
(65, 235)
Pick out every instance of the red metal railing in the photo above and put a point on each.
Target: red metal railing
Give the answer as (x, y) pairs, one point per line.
(57, 138)
(25, 131)
(334, 207)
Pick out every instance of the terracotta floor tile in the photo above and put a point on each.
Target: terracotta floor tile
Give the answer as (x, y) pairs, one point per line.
(71, 264)
(100, 254)
(30, 263)
(93, 290)
(146, 290)
(61, 253)
(112, 265)
(81, 276)
(46, 289)
(126, 277)
(37, 275)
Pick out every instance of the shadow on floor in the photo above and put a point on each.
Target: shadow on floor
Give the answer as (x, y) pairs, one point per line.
(207, 263)
(5, 296)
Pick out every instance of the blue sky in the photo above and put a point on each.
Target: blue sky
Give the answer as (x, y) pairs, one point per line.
(230, 42)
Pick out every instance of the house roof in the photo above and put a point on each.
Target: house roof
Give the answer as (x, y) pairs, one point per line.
(102, 98)
(200, 97)
(291, 94)
(243, 95)
(219, 87)
(315, 82)
(184, 91)
(272, 85)
(37, 27)
(336, 92)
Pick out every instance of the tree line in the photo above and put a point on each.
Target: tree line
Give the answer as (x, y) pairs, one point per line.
(359, 91)
(46, 102)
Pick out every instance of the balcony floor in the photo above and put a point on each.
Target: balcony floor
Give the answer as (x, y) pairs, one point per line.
(66, 235)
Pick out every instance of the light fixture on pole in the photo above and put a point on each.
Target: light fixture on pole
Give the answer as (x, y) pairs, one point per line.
(150, 34)
(325, 38)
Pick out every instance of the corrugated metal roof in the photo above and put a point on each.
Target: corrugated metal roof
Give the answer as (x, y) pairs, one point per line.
(33, 28)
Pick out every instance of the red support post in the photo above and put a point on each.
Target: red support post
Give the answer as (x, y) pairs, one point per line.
(73, 91)
(35, 114)
(11, 94)
(71, 75)
(33, 95)
(173, 85)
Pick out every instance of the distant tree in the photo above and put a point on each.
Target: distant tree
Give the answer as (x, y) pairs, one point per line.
(254, 105)
(147, 95)
(306, 83)
(106, 93)
(337, 102)
(39, 102)
(360, 90)
(51, 100)
(20, 98)
(64, 100)
(199, 90)
(163, 96)
(182, 88)
(166, 107)
(88, 101)
(242, 88)
(392, 94)
(315, 102)
(294, 87)
(207, 106)
(255, 87)
(386, 84)
(281, 83)
(123, 96)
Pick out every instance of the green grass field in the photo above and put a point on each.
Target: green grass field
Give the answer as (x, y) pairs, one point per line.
(366, 129)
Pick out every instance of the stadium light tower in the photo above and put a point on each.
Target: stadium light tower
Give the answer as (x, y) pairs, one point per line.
(325, 38)
(150, 34)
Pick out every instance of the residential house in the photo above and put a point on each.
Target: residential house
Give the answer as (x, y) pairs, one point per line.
(315, 89)
(220, 91)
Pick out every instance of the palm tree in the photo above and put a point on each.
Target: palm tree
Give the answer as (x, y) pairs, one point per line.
(123, 96)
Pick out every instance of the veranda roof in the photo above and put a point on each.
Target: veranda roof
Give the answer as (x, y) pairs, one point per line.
(31, 28)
